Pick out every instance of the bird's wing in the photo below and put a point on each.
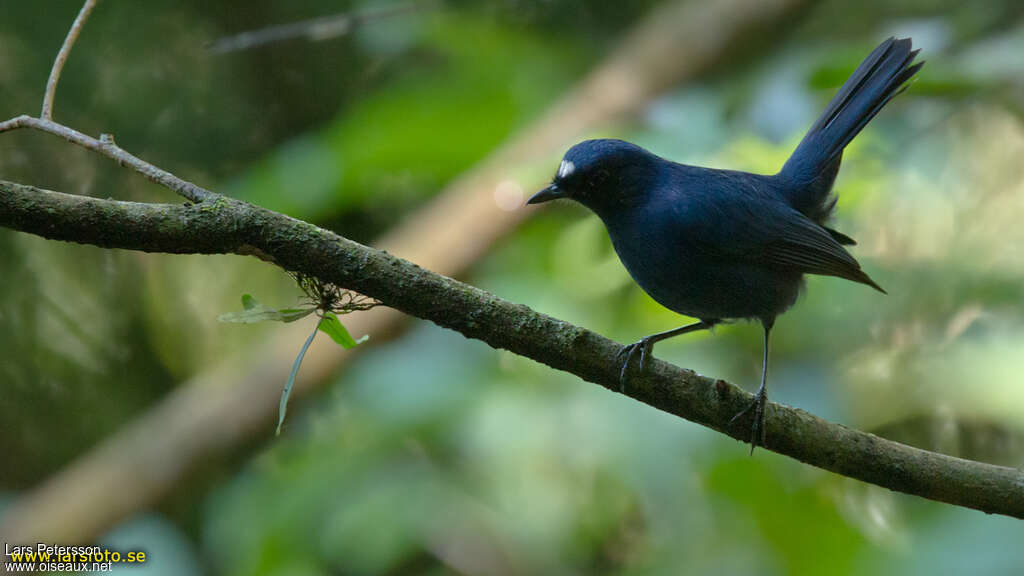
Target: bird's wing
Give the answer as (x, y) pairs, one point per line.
(797, 242)
(840, 237)
(755, 227)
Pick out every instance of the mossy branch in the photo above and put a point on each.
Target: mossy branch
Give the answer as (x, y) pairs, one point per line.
(230, 226)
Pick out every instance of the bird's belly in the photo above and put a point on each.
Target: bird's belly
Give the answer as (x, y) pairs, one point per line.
(694, 283)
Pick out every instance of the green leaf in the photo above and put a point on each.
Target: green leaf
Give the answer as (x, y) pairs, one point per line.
(333, 327)
(253, 312)
(283, 407)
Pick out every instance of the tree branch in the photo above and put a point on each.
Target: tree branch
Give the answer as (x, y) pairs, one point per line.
(106, 147)
(62, 57)
(315, 29)
(231, 226)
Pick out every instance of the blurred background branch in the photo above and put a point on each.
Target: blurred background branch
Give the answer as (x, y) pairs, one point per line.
(316, 29)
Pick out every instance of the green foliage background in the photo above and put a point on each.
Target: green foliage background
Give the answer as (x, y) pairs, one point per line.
(434, 454)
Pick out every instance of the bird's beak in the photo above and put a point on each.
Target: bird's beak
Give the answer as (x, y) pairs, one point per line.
(549, 193)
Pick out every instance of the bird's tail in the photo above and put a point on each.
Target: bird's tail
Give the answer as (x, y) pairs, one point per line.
(812, 168)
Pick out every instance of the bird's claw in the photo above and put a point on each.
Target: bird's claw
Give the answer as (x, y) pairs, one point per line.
(757, 435)
(644, 346)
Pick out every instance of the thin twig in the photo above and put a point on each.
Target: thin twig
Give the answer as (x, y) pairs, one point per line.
(105, 145)
(62, 56)
(314, 29)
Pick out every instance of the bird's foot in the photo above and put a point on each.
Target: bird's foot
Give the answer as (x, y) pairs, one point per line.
(644, 346)
(758, 432)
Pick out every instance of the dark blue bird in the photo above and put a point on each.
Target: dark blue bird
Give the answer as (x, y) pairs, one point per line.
(720, 244)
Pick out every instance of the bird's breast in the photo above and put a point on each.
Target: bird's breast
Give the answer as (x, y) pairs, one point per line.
(686, 276)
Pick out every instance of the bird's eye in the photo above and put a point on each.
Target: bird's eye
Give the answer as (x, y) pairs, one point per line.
(600, 177)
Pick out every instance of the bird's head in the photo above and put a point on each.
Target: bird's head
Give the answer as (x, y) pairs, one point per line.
(603, 175)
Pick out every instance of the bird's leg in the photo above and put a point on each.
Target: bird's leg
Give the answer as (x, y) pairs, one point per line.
(761, 398)
(646, 345)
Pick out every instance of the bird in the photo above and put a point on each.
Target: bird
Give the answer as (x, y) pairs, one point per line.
(724, 245)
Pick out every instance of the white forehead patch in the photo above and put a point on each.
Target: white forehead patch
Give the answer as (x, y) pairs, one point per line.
(566, 169)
